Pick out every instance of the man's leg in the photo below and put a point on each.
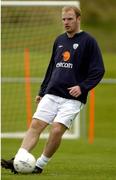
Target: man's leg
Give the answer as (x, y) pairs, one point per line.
(30, 140)
(52, 144)
(32, 136)
(54, 139)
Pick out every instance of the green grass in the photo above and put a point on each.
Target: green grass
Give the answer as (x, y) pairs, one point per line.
(110, 65)
(105, 113)
(75, 159)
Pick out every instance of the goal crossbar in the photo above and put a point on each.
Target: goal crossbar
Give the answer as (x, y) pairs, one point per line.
(40, 3)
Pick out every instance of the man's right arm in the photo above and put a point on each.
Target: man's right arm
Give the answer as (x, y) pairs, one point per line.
(47, 75)
(46, 78)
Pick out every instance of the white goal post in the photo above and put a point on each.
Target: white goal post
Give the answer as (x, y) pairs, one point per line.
(40, 3)
(75, 132)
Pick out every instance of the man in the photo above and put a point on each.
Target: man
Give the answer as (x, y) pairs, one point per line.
(75, 67)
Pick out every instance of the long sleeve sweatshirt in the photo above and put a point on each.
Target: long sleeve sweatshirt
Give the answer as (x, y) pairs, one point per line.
(74, 61)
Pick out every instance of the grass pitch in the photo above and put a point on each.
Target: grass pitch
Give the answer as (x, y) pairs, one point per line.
(75, 159)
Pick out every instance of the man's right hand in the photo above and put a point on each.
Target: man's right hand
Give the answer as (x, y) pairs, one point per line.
(38, 99)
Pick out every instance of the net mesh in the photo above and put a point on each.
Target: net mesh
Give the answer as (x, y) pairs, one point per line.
(34, 28)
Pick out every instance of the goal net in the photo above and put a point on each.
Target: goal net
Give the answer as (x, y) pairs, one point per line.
(28, 30)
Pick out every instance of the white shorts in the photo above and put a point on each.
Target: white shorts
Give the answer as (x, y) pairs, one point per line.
(57, 109)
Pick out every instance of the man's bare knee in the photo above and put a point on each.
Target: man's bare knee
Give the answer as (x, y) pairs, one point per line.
(38, 125)
(58, 129)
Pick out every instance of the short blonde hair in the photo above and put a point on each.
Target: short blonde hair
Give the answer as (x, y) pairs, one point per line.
(74, 8)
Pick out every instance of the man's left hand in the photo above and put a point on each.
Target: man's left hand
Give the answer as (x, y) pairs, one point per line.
(75, 91)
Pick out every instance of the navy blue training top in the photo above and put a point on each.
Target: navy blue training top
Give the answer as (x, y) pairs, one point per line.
(74, 61)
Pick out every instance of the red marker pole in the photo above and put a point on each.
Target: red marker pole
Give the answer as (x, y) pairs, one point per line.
(91, 116)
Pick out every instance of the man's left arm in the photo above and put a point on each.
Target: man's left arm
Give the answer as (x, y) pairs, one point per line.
(96, 68)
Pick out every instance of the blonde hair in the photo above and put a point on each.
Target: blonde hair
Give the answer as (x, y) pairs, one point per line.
(74, 8)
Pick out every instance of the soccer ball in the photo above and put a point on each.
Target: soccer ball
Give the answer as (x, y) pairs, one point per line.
(24, 162)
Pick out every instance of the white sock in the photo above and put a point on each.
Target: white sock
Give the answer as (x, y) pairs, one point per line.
(42, 161)
(22, 151)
